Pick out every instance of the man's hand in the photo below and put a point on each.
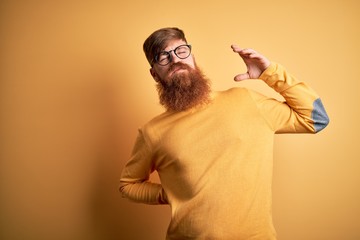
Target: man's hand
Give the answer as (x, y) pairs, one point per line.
(255, 63)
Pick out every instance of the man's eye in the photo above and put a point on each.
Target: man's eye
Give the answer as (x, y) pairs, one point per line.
(163, 56)
(182, 51)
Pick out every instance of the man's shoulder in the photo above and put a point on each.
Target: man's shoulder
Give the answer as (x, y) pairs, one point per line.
(157, 121)
(149, 128)
(233, 92)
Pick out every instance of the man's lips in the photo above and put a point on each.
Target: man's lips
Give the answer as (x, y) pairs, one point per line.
(177, 70)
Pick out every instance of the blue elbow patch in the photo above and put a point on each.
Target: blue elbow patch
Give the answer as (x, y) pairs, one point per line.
(319, 116)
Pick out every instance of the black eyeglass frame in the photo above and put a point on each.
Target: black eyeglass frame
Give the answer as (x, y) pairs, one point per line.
(170, 55)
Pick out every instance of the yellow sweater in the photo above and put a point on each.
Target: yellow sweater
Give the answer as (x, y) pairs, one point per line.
(215, 162)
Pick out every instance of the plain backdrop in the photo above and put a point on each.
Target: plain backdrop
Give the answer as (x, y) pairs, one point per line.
(75, 87)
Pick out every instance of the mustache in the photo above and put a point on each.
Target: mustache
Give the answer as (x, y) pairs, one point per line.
(178, 65)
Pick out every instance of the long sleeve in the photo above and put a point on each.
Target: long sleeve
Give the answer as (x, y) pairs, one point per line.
(134, 182)
(302, 111)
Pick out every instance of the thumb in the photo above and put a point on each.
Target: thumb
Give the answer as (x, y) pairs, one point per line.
(241, 77)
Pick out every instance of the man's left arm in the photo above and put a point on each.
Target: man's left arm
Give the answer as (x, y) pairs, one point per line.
(303, 110)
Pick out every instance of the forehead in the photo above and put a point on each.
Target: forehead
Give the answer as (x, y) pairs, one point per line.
(172, 44)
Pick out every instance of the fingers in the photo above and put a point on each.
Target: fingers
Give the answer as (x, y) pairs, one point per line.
(241, 77)
(246, 52)
(237, 49)
(255, 63)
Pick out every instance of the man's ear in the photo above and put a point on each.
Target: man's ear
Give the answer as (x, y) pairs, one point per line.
(154, 75)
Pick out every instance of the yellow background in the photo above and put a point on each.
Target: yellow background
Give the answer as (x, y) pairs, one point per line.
(75, 86)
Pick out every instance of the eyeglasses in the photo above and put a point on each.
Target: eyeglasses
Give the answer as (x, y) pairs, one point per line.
(165, 57)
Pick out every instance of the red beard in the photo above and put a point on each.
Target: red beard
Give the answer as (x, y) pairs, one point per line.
(183, 90)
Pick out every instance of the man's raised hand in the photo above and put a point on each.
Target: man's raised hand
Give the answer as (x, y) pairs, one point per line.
(255, 63)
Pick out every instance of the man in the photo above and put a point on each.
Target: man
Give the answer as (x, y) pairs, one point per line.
(213, 150)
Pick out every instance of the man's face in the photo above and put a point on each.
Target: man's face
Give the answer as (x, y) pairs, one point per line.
(181, 84)
(162, 73)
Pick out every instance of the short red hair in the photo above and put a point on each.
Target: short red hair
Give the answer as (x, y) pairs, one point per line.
(157, 41)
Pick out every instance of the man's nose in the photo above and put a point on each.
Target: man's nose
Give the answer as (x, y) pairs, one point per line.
(174, 58)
